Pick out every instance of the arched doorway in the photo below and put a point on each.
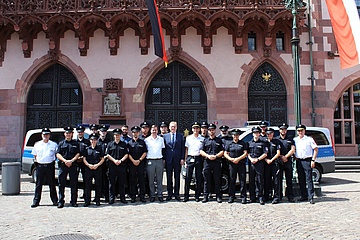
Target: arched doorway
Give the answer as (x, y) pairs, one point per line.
(267, 96)
(176, 93)
(55, 99)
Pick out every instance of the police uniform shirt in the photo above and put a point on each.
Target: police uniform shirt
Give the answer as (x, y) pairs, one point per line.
(103, 143)
(274, 145)
(263, 138)
(194, 144)
(125, 139)
(286, 144)
(93, 155)
(137, 148)
(304, 147)
(117, 150)
(45, 152)
(83, 143)
(236, 149)
(68, 149)
(212, 146)
(257, 148)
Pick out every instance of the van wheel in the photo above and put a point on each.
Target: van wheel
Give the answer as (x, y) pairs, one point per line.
(317, 174)
(224, 183)
(33, 175)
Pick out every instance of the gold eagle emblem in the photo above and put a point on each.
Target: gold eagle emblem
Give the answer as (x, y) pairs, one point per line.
(266, 77)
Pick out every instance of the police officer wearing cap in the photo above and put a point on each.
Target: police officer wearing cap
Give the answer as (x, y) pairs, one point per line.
(224, 134)
(137, 155)
(272, 160)
(83, 143)
(267, 172)
(44, 154)
(67, 154)
(236, 152)
(163, 129)
(286, 152)
(194, 160)
(145, 130)
(212, 150)
(306, 151)
(257, 153)
(93, 159)
(103, 141)
(117, 154)
(204, 129)
(94, 128)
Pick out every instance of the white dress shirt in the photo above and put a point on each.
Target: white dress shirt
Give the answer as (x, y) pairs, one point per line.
(194, 144)
(45, 152)
(154, 147)
(304, 147)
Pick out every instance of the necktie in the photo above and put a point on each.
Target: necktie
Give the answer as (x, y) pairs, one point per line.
(173, 139)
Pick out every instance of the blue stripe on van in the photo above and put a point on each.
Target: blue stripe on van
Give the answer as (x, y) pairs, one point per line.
(325, 152)
(27, 154)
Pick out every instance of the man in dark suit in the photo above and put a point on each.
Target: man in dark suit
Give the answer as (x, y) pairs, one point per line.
(174, 159)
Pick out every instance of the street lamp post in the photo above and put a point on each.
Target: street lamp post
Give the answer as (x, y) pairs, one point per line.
(294, 5)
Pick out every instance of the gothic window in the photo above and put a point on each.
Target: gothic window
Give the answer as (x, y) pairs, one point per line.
(251, 41)
(280, 41)
(267, 96)
(347, 117)
(54, 100)
(176, 93)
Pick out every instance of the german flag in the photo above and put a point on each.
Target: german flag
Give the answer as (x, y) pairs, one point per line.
(159, 44)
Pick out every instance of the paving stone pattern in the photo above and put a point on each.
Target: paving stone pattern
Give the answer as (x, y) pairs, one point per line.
(336, 215)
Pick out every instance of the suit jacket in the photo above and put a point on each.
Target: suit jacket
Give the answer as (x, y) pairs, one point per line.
(174, 152)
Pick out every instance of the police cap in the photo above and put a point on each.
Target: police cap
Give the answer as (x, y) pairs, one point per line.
(284, 126)
(204, 124)
(300, 127)
(195, 125)
(269, 130)
(80, 128)
(163, 124)
(224, 128)
(45, 131)
(94, 136)
(145, 124)
(117, 131)
(255, 129)
(103, 128)
(135, 129)
(212, 126)
(94, 126)
(68, 129)
(235, 131)
(263, 124)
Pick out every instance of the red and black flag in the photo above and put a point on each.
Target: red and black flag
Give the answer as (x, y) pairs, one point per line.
(159, 44)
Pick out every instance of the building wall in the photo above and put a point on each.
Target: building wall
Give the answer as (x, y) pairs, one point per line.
(225, 76)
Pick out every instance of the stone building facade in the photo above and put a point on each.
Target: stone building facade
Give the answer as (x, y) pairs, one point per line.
(230, 61)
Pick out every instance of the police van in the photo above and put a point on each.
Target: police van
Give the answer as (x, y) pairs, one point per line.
(325, 161)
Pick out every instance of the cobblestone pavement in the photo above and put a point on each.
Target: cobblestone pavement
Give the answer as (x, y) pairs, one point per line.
(334, 216)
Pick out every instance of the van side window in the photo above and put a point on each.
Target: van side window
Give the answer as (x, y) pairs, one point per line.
(319, 137)
(33, 139)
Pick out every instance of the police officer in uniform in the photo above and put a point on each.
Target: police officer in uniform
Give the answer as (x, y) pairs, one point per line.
(263, 125)
(67, 154)
(137, 154)
(204, 129)
(267, 173)
(83, 143)
(257, 153)
(117, 154)
(93, 159)
(103, 142)
(145, 130)
(235, 153)
(194, 160)
(44, 153)
(94, 128)
(212, 150)
(272, 160)
(306, 152)
(224, 134)
(286, 152)
(163, 129)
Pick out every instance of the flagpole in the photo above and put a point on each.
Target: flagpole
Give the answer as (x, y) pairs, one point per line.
(294, 5)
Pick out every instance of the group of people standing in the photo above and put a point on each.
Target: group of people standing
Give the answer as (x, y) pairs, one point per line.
(111, 161)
